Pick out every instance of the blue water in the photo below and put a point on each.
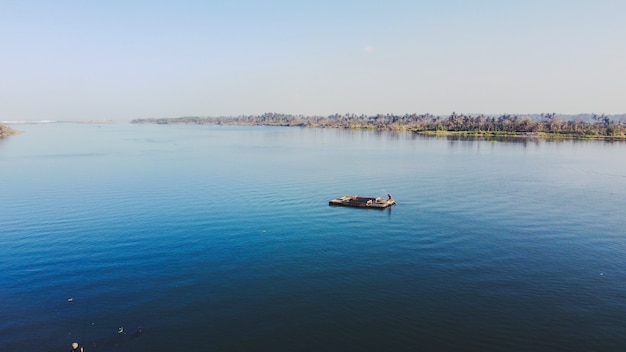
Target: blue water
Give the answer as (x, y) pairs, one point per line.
(214, 238)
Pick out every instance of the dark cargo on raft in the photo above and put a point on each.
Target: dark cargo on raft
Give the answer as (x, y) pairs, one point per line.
(362, 202)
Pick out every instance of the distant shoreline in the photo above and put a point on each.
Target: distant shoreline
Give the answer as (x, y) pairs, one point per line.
(6, 131)
(543, 126)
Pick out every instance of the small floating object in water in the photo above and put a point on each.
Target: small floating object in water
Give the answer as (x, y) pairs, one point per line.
(70, 299)
(120, 330)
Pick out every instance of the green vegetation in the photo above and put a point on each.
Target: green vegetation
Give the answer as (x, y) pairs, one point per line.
(538, 126)
(6, 131)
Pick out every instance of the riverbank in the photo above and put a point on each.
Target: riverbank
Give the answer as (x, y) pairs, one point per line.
(550, 126)
(6, 131)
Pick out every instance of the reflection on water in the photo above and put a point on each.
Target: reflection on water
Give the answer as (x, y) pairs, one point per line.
(526, 140)
(506, 139)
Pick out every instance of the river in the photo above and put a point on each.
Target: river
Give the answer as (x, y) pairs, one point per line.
(217, 238)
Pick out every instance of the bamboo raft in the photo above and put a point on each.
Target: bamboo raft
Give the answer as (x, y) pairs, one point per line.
(362, 202)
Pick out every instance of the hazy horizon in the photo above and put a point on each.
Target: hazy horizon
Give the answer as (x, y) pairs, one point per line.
(70, 60)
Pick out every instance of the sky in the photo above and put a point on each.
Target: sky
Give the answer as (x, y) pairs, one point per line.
(93, 60)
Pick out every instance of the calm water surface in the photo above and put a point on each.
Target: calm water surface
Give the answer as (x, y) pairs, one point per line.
(220, 239)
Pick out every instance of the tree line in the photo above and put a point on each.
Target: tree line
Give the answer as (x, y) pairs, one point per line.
(592, 125)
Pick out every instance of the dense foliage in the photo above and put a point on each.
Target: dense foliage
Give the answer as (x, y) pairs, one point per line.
(582, 125)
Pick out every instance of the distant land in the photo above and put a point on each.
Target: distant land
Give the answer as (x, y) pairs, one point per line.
(6, 131)
(546, 125)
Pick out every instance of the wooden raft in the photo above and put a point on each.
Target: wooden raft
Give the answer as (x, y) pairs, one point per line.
(362, 202)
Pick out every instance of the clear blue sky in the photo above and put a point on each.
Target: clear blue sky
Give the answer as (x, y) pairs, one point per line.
(135, 59)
